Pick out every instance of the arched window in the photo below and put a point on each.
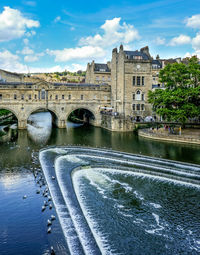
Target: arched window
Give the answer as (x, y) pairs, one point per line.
(43, 94)
(138, 95)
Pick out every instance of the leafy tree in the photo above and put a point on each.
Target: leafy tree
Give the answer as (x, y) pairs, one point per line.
(180, 100)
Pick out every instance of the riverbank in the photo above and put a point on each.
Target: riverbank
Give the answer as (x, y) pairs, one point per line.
(191, 136)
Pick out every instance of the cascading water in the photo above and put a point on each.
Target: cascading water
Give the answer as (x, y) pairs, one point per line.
(111, 202)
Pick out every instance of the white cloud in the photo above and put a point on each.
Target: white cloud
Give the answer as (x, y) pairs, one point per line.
(75, 67)
(193, 21)
(196, 42)
(58, 18)
(160, 41)
(76, 53)
(11, 62)
(180, 40)
(14, 25)
(99, 45)
(27, 51)
(30, 33)
(26, 41)
(113, 33)
(31, 58)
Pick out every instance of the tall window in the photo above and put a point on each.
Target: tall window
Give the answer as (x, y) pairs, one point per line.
(81, 97)
(0, 96)
(138, 80)
(69, 97)
(138, 95)
(142, 107)
(138, 107)
(29, 97)
(15, 96)
(142, 96)
(35, 96)
(43, 94)
(133, 80)
(142, 80)
(133, 107)
(63, 96)
(22, 97)
(134, 96)
(56, 97)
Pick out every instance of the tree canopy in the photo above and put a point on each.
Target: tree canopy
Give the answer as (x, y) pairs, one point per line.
(180, 99)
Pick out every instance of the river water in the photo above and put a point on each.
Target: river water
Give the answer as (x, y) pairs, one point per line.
(105, 202)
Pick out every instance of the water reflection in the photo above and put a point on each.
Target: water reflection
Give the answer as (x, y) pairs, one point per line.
(39, 127)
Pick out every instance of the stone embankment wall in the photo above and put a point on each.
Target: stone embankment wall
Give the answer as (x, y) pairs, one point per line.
(169, 137)
(114, 123)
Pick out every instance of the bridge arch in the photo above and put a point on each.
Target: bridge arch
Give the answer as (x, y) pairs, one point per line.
(85, 113)
(15, 114)
(54, 114)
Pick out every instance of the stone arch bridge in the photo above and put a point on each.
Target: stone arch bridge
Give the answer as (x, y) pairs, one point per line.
(22, 99)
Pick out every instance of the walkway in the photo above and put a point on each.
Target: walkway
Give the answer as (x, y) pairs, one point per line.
(187, 135)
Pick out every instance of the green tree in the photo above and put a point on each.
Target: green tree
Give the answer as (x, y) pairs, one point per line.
(180, 100)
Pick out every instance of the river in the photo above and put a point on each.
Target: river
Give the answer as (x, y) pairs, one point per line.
(112, 206)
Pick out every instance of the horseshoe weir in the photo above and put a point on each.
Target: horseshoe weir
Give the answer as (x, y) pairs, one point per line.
(110, 202)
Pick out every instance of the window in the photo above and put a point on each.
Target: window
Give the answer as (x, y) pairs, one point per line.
(138, 80)
(105, 98)
(69, 97)
(97, 78)
(50, 97)
(138, 95)
(35, 96)
(138, 107)
(0, 96)
(133, 107)
(102, 78)
(134, 96)
(56, 97)
(15, 96)
(109, 78)
(142, 107)
(133, 80)
(43, 94)
(142, 96)
(63, 96)
(22, 97)
(29, 97)
(81, 97)
(142, 80)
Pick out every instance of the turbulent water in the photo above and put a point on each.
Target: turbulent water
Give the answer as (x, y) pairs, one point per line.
(114, 203)
(129, 200)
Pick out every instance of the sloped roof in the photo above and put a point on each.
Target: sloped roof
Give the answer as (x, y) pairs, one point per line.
(156, 62)
(132, 54)
(100, 67)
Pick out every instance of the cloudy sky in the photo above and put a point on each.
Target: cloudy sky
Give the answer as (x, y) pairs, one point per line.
(47, 35)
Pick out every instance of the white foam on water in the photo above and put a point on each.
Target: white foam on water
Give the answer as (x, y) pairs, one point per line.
(138, 195)
(157, 206)
(64, 218)
(145, 175)
(74, 214)
(99, 237)
(158, 168)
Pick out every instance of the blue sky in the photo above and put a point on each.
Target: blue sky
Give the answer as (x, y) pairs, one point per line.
(47, 35)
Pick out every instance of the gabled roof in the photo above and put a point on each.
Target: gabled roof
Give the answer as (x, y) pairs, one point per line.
(100, 67)
(132, 54)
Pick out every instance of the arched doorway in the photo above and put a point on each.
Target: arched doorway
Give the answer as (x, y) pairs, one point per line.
(82, 116)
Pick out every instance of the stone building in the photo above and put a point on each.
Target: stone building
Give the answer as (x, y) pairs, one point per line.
(98, 73)
(131, 79)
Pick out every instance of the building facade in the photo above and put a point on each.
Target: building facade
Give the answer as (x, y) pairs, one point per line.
(98, 73)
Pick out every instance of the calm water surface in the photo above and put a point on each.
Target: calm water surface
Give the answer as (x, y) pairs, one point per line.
(171, 212)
